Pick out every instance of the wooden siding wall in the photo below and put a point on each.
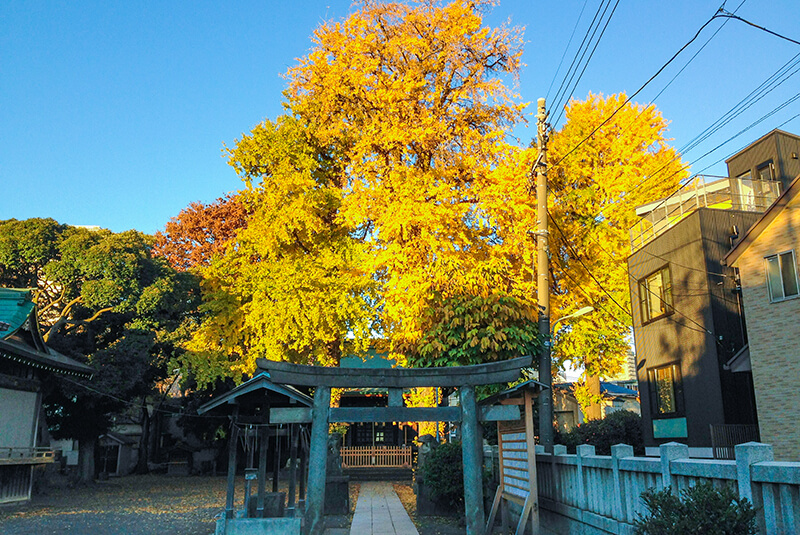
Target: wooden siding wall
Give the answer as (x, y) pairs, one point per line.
(15, 483)
(693, 248)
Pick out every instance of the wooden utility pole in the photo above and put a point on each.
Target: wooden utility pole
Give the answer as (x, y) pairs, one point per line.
(543, 283)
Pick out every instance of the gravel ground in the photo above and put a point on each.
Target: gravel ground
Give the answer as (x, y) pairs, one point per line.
(131, 505)
(145, 505)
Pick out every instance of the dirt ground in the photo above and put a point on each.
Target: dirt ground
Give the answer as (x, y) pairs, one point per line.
(128, 505)
(143, 505)
(427, 525)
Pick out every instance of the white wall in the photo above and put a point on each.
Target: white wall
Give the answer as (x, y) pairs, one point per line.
(18, 416)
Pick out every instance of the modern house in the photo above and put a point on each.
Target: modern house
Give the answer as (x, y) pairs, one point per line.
(766, 258)
(688, 321)
(24, 360)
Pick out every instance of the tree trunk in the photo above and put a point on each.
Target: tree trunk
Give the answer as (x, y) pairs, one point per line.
(86, 460)
(144, 442)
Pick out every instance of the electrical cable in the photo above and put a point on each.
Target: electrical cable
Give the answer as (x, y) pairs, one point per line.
(564, 55)
(134, 403)
(730, 15)
(557, 97)
(628, 99)
(563, 107)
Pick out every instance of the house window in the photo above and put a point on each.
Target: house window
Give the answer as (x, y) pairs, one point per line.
(782, 276)
(666, 390)
(655, 295)
(765, 171)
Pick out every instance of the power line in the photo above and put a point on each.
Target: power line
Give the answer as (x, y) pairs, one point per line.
(564, 55)
(578, 52)
(730, 15)
(700, 328)
(134, 403)
(628, 99)
(585, 65)
(589, 271)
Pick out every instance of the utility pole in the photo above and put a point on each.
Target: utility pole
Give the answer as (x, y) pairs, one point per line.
(543, 283)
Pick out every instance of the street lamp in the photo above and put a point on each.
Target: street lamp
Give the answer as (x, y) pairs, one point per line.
(546, 378)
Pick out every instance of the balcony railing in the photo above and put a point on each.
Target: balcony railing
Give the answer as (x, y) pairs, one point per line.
(26, 456)
(720, 194)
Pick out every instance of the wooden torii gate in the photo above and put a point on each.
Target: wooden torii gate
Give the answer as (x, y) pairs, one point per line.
(465, 378)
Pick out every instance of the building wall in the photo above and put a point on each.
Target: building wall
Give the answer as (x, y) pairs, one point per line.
(705, 309)
(776, 146)
(774, 336)
(18, 416)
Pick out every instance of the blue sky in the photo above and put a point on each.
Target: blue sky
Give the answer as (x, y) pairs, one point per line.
(115, 113)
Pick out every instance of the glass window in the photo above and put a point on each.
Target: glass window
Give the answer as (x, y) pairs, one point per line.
(782, 276)
(764, 171)
(655, 295)
(665, 390)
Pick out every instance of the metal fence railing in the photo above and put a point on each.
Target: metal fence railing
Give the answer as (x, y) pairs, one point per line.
(725, 436)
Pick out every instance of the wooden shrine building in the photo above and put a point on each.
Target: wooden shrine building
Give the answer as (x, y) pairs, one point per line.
(24, 361)
(265, 427)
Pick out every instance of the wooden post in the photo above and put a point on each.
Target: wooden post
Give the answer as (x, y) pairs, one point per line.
(263, 442)
(301, 491)
(317, 462)
(276, 462)
(293, 432)
(234, 438)
(473, 477)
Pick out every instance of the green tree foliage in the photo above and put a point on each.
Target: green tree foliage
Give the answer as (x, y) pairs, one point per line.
(468, 316)
(443, 474)
(619, 427)
(700, 509)
(104, 300)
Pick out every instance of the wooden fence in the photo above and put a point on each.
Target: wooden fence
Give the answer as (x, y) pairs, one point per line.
(376, 456)
(601, 493)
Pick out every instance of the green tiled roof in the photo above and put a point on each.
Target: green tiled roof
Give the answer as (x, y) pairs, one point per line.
(15, 307)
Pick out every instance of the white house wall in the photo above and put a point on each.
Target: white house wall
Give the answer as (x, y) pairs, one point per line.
(18, 417)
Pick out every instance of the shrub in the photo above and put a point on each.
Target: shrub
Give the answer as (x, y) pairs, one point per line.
(620, 427)
(703, 509)
(443, 474)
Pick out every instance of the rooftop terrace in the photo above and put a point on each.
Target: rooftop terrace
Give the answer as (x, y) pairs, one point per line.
(719, 193)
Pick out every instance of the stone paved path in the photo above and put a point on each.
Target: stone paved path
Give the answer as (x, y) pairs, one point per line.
(379, 512)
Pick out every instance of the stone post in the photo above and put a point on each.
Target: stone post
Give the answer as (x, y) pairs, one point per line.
(618, 452)
(584, 450)
(473, 480)
(317, 462)
(670, 452)
(747, 455)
